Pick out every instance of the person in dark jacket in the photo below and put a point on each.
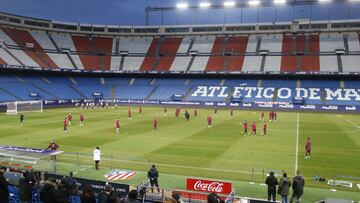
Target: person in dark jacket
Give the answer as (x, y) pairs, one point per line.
(283, 189)
(153, 175)
(109, 195)
(132, 197)
(298, 187)
(26, 185)
(50, 194)
(271, 182)
(4, 191)
(88, 195)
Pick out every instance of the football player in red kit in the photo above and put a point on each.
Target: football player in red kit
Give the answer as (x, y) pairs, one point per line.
(82, 118)
(155, 124)
(195, 113)
(69, 118)
(262, 116)
(177, 112)
(117, 126)
(65, 125)
(140, 110)
(129, 113)
(265, 127)
(253, 127)
(245, 128)
(209, 121)
(308, 148)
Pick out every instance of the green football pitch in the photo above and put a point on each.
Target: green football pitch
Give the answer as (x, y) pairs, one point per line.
(183, 149)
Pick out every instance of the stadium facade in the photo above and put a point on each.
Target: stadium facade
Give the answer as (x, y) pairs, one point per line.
(296, 65)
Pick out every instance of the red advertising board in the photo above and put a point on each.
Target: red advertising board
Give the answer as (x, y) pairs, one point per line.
(218, 187)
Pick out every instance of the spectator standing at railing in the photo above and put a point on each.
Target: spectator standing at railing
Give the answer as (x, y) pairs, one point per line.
(4, 192)
(283, 189)
(271, 182)
(298, 187)
(153, 175)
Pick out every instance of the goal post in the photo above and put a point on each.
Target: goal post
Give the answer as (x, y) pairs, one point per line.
(24, 106)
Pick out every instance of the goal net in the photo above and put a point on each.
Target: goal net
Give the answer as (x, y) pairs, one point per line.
(24, 106)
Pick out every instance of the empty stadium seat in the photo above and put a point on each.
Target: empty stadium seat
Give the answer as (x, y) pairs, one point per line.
(199, 63)
(329, 63)
(21, 38)
(180, 63)
(135, 44)
(133, 63)
(330, 42)
(272, 63)
(203, 44)
(252, 63)
(273, 43)
(7, 58)
(350, 63)
(353, 42)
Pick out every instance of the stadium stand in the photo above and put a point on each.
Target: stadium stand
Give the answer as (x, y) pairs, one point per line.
(34, 51)
(283, 52)
(135, 44)
(6, 58)
(199, 63)
(132, 63)
(167, 50)
(350, 63)
(64, 42)
(96, 52)
(180, 63)
(252, 63)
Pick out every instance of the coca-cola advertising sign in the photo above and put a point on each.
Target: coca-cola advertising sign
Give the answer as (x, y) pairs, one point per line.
(208, 186)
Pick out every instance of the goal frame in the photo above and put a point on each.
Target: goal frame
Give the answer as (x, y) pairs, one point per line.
(16, 103)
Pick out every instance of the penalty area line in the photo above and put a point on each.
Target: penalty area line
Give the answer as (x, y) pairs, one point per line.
(350, 121)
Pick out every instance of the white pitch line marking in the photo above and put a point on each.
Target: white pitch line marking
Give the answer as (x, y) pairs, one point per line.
(81, 170)
(297, 142)
(350, 121)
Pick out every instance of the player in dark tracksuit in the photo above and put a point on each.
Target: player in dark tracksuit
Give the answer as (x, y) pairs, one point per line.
(153, 175)
(187, 115)
(21, 119)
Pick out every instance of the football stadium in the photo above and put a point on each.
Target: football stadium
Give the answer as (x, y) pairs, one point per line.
(180, 101)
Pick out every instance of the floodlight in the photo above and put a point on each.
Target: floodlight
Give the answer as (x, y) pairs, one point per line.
(204, 5)
(279, 1)
(182, 5)
(229, 3)
(254, 3)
